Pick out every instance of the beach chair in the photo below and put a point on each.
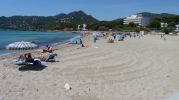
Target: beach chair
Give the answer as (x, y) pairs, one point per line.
(50, 57)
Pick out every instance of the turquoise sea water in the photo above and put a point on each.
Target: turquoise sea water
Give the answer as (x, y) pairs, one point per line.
(40, 38)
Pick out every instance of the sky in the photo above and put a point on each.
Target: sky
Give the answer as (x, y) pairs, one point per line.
(100, 9)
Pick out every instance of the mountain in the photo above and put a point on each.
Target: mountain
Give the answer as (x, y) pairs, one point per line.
(155, 15)
(42, 22)
(75, 17)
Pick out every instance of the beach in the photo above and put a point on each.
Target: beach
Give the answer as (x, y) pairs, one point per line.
(133, 69)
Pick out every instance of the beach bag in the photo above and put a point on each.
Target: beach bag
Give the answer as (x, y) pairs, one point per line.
(37, 62)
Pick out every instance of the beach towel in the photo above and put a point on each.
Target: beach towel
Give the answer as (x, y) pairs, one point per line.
(18, 62)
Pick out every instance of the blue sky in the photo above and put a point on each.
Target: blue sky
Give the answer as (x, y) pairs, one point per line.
(100, 9)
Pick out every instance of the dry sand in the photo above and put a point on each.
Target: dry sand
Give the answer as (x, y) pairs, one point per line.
(134, 69)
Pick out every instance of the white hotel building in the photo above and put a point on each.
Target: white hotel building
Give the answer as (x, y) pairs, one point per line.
(137, 19)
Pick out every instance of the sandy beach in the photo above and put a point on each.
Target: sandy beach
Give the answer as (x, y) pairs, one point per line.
(134, 69)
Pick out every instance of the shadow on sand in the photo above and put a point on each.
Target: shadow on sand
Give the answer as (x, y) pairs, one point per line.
(31, 67)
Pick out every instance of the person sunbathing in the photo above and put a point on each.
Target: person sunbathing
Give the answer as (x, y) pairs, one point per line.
(28, 58)
(47, 57)
(23, 59)
(48, 49)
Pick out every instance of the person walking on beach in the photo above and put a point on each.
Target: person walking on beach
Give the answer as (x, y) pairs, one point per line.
(130, 35)
(134, 35)
(162, 36)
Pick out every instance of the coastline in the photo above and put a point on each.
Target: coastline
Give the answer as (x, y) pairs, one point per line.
(55, 45)
(52, 42)
(44, 31)
(8, 55)
(4, 55)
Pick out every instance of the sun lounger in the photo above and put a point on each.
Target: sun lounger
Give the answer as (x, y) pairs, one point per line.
(50, 57)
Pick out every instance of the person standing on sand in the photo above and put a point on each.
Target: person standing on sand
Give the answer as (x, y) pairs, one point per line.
(130, 35)
(94, 38)
(164, 38)
(81, 42)
(139, 35)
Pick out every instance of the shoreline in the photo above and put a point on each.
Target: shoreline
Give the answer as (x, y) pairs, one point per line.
(66, 42)
(52, 43)
(79, 33)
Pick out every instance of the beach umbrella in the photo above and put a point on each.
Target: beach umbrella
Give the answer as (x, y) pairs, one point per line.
(21, 46)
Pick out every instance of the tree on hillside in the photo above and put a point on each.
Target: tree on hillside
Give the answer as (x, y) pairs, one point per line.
(131, 24)
(171, 24)
(103, 28)
(154, 23)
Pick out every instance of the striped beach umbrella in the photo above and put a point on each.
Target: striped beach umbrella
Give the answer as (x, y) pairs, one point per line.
(21, 46)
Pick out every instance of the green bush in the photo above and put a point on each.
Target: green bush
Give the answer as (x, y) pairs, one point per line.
(167, 30)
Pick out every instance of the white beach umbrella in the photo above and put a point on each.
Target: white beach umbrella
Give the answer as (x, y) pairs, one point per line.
(21, 46)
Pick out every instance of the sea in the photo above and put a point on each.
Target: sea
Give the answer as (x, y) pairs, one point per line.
(39, 38)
